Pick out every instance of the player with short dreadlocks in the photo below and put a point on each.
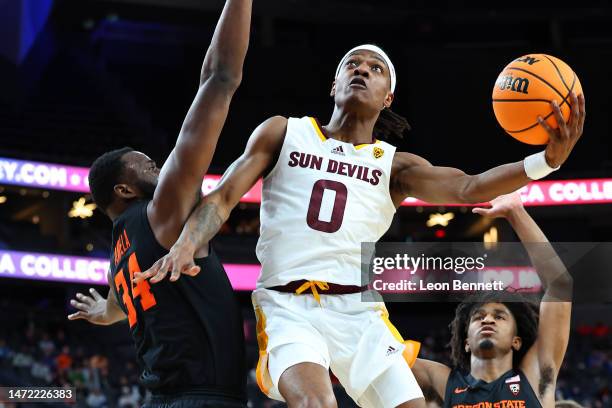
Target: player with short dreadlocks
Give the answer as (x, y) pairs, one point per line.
(326, 189)
(506, 352)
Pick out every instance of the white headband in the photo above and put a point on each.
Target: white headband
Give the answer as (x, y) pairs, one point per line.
(373, 48)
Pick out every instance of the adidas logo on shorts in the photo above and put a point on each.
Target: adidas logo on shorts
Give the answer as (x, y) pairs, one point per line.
(338, 150)
(391, 350)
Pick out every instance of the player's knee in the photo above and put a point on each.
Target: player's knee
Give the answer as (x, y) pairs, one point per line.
(312, 400)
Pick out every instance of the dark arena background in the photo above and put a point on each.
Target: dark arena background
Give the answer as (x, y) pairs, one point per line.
(80, 77)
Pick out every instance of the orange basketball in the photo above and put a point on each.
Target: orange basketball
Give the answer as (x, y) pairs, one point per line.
(523, 91)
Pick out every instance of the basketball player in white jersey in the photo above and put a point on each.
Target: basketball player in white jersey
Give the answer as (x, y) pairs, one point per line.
(326, 189)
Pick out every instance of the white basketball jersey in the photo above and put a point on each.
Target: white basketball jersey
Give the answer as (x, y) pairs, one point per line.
(322, 199)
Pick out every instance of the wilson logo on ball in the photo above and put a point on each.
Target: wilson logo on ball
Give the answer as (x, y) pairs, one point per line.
(547, 79)
(527, 59)
(515, 84)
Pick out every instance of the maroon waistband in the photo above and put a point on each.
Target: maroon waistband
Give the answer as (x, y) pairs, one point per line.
(334, 288)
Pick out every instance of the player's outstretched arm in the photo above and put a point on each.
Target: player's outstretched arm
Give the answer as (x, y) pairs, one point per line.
(431, 375)
(96, 309)
(542, 362)
(181, 176)
(413, 176)
(259, 157)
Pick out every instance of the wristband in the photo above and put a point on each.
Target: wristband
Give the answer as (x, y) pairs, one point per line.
(536, 166)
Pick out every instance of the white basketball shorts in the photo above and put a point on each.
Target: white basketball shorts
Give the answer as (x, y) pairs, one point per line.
(354, 339)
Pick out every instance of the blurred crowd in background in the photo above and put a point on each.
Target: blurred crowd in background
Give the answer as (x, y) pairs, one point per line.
(99, 362)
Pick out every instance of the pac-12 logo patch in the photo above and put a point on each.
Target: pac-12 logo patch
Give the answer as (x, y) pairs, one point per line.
(378, 152)
(515, 388)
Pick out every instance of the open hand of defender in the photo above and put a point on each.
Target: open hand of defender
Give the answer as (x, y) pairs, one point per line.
(501, 206)
(563, 139)
(179, 260)
(91, 308)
